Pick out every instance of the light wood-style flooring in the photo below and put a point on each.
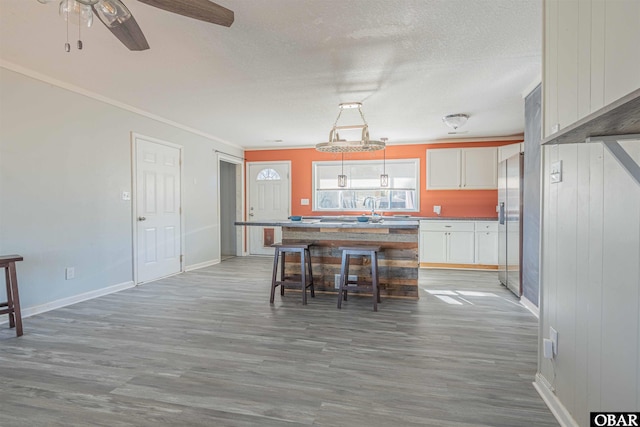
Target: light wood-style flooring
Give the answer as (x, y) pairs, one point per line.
(206, 348)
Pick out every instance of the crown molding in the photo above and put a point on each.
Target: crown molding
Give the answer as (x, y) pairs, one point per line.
(72, 88)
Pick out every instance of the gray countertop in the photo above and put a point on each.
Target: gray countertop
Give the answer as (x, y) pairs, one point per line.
(387, 221)
(333, 223)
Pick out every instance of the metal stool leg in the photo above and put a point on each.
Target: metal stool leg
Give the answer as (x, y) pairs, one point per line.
(374, 280)
(313, 293)
(283, 275)
(303, 277)
(344, 271)
(12, 320)
(274, 275)
(16, 298)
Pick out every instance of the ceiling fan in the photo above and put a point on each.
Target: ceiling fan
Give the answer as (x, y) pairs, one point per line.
(119, 20)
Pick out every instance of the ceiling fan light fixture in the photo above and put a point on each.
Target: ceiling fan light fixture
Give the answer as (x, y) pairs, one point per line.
(112, 12)
(454, 121)
(76, 12)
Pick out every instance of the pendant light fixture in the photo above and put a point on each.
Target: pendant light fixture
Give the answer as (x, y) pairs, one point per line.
(337, 145)
(384, 178)
(342, 178)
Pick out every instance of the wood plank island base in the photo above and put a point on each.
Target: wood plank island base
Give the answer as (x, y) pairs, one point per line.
(398, 261)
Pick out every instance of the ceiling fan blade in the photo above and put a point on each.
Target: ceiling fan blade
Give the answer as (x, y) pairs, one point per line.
(203, 10)
(117, 18)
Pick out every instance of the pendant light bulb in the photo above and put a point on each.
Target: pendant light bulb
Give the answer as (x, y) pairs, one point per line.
(342, 178)
(384, 178)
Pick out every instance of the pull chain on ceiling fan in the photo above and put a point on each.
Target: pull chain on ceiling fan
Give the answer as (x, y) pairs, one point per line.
(119, 20)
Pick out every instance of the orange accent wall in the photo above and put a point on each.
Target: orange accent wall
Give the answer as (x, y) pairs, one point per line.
(454, 203)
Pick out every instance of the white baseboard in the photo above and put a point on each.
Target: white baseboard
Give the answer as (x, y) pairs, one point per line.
(557, 408)
(201, 265)
(42, 308)
(530, 306)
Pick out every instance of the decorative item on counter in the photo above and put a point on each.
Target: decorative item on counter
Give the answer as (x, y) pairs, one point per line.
(363, 218)
(295, 218)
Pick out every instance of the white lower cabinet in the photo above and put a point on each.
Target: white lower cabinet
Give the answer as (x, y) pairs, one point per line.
(459, 242)
(447, 242)
(486, 242)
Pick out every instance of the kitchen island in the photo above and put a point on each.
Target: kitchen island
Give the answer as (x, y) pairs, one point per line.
(398, 261)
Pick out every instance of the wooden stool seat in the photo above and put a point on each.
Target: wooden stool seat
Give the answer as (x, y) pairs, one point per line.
(8, 262)
(306, 279)
(346, 285)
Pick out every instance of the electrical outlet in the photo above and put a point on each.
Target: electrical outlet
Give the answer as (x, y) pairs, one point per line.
(69, 273)
(555, 128)
(553, 335)
(352, 278)
(437, 209)
(126, 195)
(304, 202)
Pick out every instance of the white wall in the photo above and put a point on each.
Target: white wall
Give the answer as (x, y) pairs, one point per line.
(591, 280)
(64, 160)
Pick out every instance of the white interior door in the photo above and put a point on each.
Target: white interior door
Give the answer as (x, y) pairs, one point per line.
(158, 231)
(269, 196)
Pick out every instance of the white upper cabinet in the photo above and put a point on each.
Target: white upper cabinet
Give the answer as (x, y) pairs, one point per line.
(480, 168)
(462, 168)
(506, 151)
(594, 60)
(443, 168)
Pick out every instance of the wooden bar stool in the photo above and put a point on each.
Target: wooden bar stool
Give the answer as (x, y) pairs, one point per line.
(306, 281)
(346, 285)
(8, 262)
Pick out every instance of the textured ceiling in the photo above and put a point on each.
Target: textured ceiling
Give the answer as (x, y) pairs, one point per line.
(280, 71)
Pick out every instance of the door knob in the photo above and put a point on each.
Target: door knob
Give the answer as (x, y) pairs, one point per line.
(141, 218)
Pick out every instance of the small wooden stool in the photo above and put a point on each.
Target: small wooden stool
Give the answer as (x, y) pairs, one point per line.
(347, 253)
(305, 261)
(8, 262)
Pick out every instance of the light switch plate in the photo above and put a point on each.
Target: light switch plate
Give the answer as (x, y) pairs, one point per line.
(553, 335)
(547, 348)
(556, 172)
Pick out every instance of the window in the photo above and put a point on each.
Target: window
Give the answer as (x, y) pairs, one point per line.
(268, 175)
(363, 191)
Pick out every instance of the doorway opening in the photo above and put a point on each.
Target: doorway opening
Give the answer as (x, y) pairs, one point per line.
(230, 206)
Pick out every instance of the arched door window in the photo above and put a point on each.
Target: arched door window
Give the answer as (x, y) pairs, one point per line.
(268, 174)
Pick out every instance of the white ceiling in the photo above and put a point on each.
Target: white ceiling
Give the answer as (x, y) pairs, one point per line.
(280, 71)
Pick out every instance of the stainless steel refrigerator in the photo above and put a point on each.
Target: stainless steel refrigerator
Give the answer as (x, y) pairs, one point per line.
(510, 176)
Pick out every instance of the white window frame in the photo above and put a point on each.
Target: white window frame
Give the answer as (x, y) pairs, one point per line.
(320, 164)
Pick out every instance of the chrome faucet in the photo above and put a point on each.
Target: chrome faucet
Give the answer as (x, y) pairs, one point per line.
(370, 202)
